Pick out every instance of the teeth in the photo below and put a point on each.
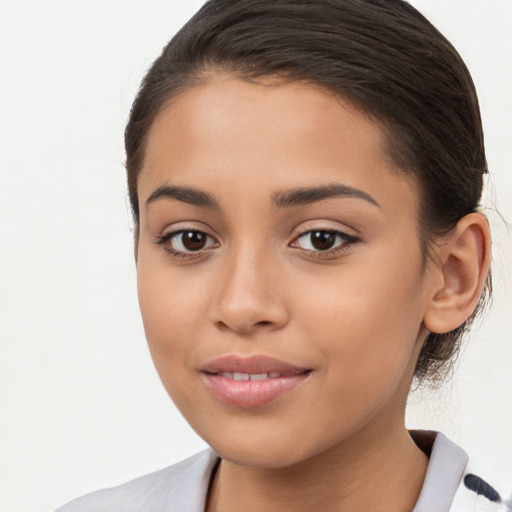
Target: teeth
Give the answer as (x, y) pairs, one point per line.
(249, 376)
(258, 376)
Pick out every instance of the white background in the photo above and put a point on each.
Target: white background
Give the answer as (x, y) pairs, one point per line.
(81, 406)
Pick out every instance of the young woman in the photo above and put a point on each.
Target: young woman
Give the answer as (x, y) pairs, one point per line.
(305, 179)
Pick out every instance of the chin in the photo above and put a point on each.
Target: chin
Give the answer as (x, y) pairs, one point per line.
(266, 446)
(269, 456)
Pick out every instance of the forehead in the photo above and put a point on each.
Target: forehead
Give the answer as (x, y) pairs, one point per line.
(266, 135)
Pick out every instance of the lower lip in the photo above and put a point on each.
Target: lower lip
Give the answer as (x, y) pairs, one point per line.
(251, 393)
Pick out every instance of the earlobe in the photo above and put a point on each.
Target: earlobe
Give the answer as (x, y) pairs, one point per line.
(463, 265)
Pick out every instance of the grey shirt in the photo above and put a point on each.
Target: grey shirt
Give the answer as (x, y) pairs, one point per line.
(183, 486)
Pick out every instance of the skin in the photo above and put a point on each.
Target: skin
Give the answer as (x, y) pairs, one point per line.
(355, 315)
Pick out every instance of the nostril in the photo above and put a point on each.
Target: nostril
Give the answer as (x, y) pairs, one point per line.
(224, 326)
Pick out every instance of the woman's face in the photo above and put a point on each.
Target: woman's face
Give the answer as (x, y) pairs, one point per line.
(280, 272)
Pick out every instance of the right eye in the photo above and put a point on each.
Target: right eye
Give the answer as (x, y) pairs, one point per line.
(186, 241)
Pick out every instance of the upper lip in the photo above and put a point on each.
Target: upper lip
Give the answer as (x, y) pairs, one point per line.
(256, 364)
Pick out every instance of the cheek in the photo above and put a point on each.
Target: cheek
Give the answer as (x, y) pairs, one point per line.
(173, 312)
(366, 321)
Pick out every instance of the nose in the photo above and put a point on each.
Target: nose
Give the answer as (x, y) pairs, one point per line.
(251, 295)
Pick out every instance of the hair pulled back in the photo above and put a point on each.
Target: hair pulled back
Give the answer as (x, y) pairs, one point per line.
(381, 55)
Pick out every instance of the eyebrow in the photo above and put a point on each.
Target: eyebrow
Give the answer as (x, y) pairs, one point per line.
(308, 195)
(186, 195)
(284, 199)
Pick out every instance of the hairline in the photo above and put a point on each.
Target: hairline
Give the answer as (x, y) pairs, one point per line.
(207, 72)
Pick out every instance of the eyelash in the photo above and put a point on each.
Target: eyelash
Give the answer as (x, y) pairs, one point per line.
(164, 239)
(348, 241)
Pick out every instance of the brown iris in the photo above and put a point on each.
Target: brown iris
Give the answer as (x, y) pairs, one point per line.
(193, 240)
(322, 240)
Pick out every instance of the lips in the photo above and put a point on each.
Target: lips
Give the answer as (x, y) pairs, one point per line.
(253, 381)
(241, 376)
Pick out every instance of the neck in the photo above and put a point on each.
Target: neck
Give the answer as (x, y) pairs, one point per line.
(372, 472)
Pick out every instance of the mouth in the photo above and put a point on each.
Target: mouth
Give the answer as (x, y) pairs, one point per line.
(251, 382)
(244, 377)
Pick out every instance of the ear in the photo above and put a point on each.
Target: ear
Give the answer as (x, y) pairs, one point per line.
(462, 264)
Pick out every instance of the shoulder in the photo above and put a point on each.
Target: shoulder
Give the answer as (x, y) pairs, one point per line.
(181, 488)
(452, 484)
(475, 493)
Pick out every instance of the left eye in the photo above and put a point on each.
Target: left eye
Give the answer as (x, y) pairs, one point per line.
(187, 241)
(322, 240)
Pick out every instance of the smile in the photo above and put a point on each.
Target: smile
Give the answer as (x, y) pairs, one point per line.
(250, 376)
(251, 382)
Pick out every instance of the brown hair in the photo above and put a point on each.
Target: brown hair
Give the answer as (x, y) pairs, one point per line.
(384, 57)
